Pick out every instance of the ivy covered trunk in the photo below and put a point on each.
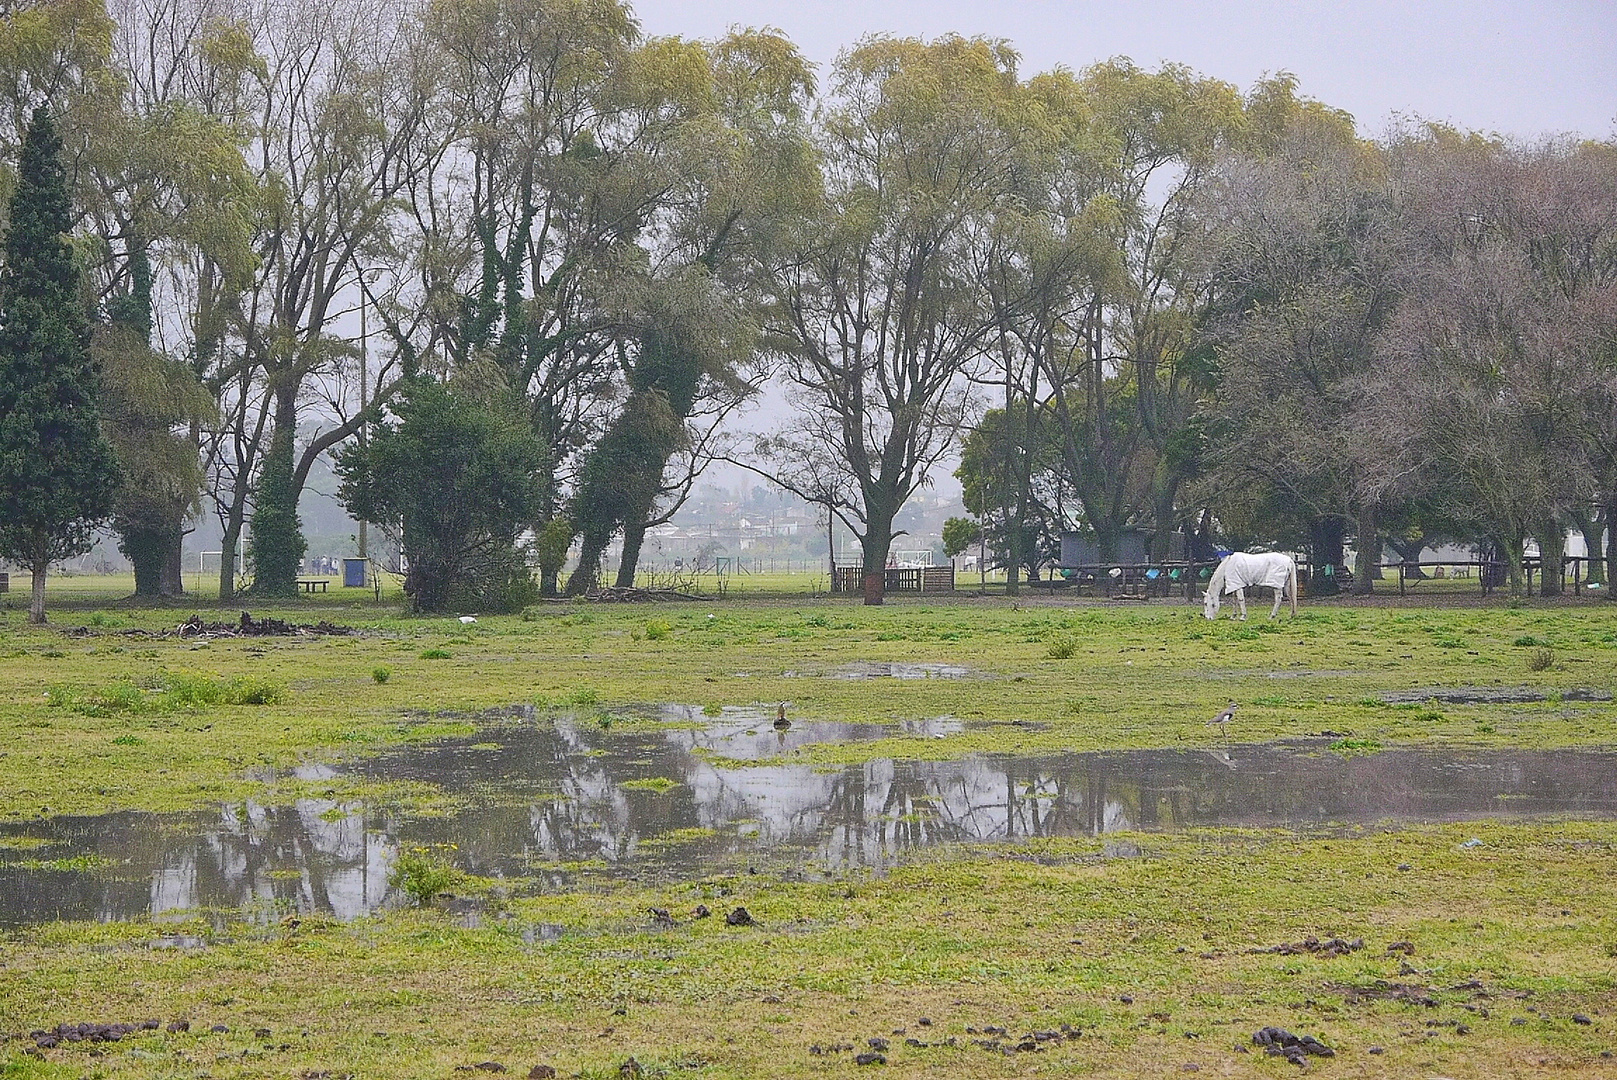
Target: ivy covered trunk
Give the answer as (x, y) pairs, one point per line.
(634, 535)
(278, 543)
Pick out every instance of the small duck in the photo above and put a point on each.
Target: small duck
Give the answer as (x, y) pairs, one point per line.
(781, 723)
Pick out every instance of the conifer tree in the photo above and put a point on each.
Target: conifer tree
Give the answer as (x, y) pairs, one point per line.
(57, 473)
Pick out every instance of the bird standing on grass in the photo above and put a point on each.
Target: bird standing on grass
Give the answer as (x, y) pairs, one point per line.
(1224, 717)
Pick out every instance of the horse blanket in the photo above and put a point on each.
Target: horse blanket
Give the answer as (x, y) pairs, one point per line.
(1244, 570)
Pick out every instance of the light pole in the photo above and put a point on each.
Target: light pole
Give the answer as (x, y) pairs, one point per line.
(364, 386)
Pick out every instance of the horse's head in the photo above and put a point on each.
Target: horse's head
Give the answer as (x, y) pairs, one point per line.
(1210, 603)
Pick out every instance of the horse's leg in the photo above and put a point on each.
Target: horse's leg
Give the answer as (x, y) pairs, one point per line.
(1240, 600)
(1275, 614)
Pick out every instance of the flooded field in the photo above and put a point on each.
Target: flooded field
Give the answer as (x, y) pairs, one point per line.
(563, 802)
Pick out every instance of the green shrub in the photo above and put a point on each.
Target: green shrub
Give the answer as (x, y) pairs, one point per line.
(249, 690)
(657, 629)
(1527, 641)
(1062, 648)
(185, 691)
(584, 695)
(434, 654)
(381, 673)
(1541, 660)
(422, 873)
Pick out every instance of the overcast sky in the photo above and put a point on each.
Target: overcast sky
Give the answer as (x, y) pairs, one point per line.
(1524, 68)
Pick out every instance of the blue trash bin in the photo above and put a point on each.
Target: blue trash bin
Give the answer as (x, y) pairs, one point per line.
(354, 572)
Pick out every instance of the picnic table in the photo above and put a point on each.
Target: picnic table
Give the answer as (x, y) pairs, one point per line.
(309, 585)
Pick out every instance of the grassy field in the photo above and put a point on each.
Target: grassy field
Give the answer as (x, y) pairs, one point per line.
(1476, 957)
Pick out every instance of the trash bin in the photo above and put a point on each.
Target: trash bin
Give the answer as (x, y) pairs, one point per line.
(354, 573)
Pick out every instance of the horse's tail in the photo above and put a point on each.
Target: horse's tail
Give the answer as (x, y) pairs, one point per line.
(1294, 588)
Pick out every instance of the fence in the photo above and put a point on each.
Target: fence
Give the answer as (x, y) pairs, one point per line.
(1491, 573)
(1130, 581)
(848, 580)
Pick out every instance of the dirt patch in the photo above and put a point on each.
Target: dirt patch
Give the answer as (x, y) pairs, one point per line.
(1314, 946)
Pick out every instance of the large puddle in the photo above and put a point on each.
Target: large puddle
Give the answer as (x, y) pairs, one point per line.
(565, 802)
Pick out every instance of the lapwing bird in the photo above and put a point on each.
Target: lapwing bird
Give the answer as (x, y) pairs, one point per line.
(1224, 717)
(781, 723)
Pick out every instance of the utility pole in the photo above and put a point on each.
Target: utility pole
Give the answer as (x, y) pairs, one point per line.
(364, 391)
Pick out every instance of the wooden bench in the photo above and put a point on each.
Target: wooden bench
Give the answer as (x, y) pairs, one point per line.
(311, 584)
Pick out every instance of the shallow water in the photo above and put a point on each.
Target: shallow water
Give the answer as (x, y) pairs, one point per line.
(566, 801)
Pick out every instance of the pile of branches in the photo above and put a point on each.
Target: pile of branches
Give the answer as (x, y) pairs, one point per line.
(248, 626)
(614, 595)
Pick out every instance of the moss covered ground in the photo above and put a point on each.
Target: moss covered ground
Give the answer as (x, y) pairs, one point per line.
(1498, 944)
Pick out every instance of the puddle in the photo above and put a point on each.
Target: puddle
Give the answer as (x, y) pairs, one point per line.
(895, 670)
(562, 803)
(1493, 695)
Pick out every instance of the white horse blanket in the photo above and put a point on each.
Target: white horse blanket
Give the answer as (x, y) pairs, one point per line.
(1269, 570)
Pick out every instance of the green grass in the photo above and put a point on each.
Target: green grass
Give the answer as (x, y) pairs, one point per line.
(1135, 677)
(1027, 936)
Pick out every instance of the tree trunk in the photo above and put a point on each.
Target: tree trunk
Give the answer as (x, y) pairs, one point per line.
(875, 545)
(633, 537)
(1369, 553)
(592, 545)
(1590, 522)
(144, 547)
(1013, 555)
(278, 543)
(1163, 532)
(1513, 563)
(1611, 541)
(172, 578)
(1408, 551)
(1325, 539)
(227, 559)
(36, 601)
(1551, 558)
(547, 580)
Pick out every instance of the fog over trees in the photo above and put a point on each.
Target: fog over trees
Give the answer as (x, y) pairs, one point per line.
(1137, 299)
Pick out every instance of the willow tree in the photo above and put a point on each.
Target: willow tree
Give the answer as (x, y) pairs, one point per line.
(726, 143)
(875, 297)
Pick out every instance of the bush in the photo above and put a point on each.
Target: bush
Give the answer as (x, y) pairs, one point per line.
(657, 629)
(248, 690)
(381, 673)
(422, 873)
(1541, 660)
(434, 654)
(1062, 648)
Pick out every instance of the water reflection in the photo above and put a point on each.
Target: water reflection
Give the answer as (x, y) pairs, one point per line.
(558, 801)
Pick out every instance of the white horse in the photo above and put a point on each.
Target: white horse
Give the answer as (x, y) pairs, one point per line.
(1244, 570)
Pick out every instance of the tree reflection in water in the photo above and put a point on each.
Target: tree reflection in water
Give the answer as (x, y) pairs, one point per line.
(561, 800)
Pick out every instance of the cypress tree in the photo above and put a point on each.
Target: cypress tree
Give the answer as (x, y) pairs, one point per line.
(57, 472)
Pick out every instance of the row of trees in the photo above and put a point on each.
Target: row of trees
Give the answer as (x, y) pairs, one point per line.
(582, 250)
(1396, 341)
